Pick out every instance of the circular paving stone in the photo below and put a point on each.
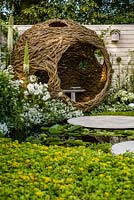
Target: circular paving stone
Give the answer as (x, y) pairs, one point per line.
(104, 122)
(123, 147)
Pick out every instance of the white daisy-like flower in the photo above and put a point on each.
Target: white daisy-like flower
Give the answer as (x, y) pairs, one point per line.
(32, 78)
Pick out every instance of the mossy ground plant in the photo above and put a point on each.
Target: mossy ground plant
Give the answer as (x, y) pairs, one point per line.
(31, 171)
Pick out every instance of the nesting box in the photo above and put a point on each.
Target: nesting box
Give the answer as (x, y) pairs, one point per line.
(62, 54)
(115, 35)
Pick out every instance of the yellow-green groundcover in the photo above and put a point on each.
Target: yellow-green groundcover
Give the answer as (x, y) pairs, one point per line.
(31, 171)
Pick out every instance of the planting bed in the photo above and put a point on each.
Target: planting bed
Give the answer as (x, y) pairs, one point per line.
(31, 171)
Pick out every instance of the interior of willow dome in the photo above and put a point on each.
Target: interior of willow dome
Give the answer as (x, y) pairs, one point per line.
(57, 24)
(80, 67)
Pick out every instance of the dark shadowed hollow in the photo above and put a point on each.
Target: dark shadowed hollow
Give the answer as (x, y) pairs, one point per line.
(65, 54)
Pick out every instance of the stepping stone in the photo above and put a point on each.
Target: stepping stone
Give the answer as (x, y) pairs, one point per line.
(122, 147)
(104, 122)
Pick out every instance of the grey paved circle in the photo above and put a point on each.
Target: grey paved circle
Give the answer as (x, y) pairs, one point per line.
(123, 147)
(104, 122)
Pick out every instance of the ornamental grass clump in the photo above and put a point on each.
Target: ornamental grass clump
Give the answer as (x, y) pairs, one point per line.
(31, 171)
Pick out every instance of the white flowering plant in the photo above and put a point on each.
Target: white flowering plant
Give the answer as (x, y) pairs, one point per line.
(10, 100)
(117, 101)
(124, 97)
(25, 109)
(40, 109)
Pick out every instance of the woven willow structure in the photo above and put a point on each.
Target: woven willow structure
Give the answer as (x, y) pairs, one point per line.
(62, 54)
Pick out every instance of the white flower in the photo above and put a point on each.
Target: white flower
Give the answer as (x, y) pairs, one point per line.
(78, 113)
(32, 78)
(45, 85)
(40, 88)
(26, 93)
(2, 66)
(30, 88)
(33, 115)
(18, 82)
(3, 128)
(37, 92)
(10, 68)
(131, 104)
(46, 96)
(36, 86)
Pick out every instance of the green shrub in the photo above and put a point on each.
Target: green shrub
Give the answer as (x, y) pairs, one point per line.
(10, 100)
(31, 171)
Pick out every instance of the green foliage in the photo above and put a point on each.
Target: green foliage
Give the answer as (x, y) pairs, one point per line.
(56, 129)
(26, 60)
(10, 34)
(8, 37)
(131, 66)
(123, 113)
(83, 65)
(132, 81)
(10, 100)
(32, 12)
(26, 54)
(79, 11)
(116, 12)
(3, 45)
(69, 135)
(118, 100)
(85, 12)
(107, 134)
(125, 77)
(31, 171)
(74, 143)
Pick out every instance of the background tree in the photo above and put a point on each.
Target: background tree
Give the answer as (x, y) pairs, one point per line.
(83, 11)
(115, 11)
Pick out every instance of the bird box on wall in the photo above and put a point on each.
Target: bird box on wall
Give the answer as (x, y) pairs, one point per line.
(115, 35)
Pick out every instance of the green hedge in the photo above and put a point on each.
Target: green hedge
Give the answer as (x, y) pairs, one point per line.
(30, 171)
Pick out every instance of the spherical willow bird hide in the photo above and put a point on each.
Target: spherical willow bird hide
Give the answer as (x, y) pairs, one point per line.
(64, 54)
